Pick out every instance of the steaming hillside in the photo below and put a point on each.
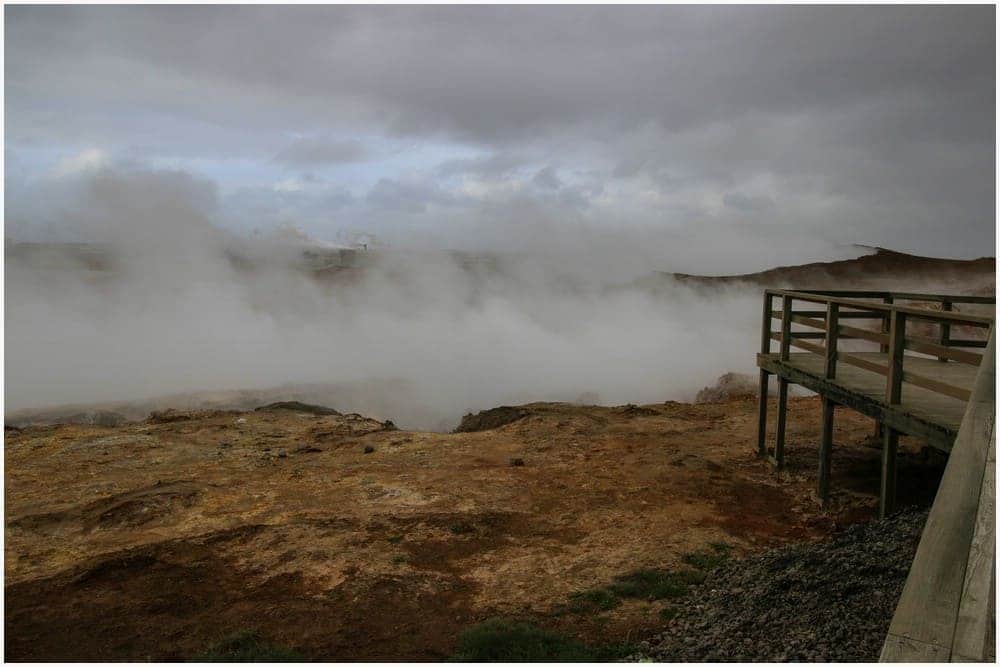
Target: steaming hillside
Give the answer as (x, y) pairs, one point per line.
(419, 338)
(882, 270)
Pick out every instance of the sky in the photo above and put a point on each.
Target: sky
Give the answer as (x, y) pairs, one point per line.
(583, 148)
(744, 133)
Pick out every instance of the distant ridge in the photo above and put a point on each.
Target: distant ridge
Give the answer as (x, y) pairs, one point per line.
(886, 269)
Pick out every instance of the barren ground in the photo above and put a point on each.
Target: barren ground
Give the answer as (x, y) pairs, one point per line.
(155, 539)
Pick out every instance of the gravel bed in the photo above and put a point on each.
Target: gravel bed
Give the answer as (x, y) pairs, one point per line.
(828, 601)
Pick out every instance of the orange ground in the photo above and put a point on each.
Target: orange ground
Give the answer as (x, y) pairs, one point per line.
(153, 540)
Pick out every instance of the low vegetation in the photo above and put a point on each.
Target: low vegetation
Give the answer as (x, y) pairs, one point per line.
(248, 646)
(651, 583)
(505, 640)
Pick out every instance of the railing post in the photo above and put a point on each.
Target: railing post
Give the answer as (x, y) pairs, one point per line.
(832, 316)
(885, 325)
(945, 327)
(786, 327)
(779, 431)
(893, 396)
(897, 341)
(765, 348)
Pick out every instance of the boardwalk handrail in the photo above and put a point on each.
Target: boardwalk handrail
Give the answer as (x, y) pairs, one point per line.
(945, 611)
(892, 338)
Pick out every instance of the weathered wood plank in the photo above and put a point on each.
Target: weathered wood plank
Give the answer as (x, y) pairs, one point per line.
(928, 608)
(972, 631)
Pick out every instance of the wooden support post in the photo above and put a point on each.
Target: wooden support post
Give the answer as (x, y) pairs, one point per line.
(893, 395)
(779, 436)
(887, 490)
(825, 453)
(830, 367)
(762, 415)
(945, 339)
(765, 348)
(883, 348)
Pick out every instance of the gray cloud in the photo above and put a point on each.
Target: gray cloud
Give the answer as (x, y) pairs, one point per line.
(319, 151)
(870, 124)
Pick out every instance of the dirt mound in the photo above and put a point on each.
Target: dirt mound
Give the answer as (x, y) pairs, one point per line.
(728, 387)
(488, 420)
(298, 406)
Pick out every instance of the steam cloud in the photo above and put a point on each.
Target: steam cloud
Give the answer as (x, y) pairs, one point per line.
(433, 335)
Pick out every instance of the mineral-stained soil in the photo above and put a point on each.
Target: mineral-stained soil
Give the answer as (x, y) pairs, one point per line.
(345, 539)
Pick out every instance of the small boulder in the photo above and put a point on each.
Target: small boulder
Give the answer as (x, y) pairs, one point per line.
(728, 387)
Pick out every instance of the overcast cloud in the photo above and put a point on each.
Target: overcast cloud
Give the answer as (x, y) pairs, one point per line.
(587, 146)
(834, 124)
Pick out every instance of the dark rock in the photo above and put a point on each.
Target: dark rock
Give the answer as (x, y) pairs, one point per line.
(107, 418)
(490, 419)
(830, 601)
(369, 449)
(516, 462)
(297, 406)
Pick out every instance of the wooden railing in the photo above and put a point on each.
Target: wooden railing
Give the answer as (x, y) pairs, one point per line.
(890, 336)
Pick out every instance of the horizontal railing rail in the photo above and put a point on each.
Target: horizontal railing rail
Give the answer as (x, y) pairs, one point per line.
(891, 335)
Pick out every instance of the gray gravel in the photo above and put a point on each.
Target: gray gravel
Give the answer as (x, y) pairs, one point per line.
(821, 602)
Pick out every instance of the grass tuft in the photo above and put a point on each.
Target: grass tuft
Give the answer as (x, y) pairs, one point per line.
(655, 584)
(709, 560)
(247, 646)
(503, 640)
(600, 598)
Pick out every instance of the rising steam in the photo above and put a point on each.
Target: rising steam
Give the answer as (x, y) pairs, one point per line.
(176, 304)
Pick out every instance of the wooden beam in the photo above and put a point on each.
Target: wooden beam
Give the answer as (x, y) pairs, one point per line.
(935, 434)
(936, 386)
(859, 362)
(952, 342)
(894, 379)
(943, 353)
(797, 342)
(844, 315)
(918, 313)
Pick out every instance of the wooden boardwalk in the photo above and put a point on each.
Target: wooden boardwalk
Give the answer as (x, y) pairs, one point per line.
(931, 415)
(909, 384)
